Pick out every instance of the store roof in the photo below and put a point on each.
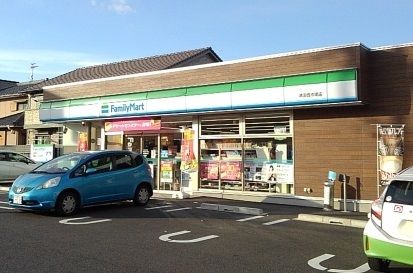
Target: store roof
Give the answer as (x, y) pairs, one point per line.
(135, 66)
(16, 120)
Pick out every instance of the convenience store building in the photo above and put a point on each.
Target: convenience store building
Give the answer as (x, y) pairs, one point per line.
(268, 128)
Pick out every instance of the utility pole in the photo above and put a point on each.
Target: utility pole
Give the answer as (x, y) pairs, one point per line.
(32, 67)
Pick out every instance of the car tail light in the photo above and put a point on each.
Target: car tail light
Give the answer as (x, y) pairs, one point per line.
(376, 211)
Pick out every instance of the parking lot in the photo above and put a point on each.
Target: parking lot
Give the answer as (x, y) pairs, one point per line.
(177, 236)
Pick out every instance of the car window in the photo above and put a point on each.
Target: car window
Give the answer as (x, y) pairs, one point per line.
(99, 165)
(3, 157)
(400, 192)
(123, 161)
(61, 164)
(138, 160)
(18, 158)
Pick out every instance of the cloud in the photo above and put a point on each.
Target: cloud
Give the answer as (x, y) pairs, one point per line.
(118, 6)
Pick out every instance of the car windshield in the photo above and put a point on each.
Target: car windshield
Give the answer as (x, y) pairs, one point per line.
(60, 164)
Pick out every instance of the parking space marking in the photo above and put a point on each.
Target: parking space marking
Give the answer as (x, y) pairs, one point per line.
(250, 218)
(70, 221)
(316, 263)
(1, 202)
(166, 237)
(171, 210)
(160, 207)
(6, 208)
(276, 222)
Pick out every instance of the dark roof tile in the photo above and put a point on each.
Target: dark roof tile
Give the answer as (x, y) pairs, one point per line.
(148, 64)
(16, 120)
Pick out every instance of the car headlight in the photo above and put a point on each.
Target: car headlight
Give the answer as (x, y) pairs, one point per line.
(53, 182)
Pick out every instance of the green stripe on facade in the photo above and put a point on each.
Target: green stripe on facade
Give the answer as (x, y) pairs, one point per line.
(209, 89)
(59, 104)
(166, 93)
(84, 101)
(45, 105)
(258, 84)
(306, 79)
(337, 76)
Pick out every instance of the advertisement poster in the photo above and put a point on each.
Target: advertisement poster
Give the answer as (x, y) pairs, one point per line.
(166, 171)
(209, 170)
(188, 162)
(279, 173)
(231, 170)
(143, 124)
(41, 152)
(82, 144)
(390, 151)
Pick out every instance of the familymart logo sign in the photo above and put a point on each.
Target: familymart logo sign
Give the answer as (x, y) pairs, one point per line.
(123, 108)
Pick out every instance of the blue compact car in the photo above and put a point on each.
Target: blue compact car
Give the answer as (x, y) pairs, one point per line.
(72, 181)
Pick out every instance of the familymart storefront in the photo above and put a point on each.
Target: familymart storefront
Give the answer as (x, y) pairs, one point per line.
(235, 136)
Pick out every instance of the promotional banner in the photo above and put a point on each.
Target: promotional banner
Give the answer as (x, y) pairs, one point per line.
(390, 150)
(82, 144)
(188, 162)
(230, 170)
(279, 173)
(145, 124)
(209, 170)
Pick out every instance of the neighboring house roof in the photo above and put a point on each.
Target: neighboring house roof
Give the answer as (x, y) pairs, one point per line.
(6, 84)
(16, 120)
(148, 64)
(19, 88)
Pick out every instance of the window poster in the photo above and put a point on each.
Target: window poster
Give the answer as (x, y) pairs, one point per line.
(82, 144)
(278, 173)
(166, 171)
(209, 170)
(231, 170)
(188, 162)
(390, 150)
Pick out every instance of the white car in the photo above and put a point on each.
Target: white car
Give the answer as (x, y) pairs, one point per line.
(13, 164)
(388, 235)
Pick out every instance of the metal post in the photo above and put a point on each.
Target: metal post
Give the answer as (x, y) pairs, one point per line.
(345, 192)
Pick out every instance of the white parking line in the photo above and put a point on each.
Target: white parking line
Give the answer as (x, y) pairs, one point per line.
(170, 210)
(250, 218)
(160, 207)
(276, 222)
(4, 202)
(6, 208)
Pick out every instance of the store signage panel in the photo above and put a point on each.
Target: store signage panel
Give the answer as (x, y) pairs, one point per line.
(123, 108)
(208, 101)
(257, 97)
(301, 94)
(133, 125)
(342, 91)
(80, 111)
(165, 105)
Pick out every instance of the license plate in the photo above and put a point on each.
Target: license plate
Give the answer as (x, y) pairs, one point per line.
(17, 199)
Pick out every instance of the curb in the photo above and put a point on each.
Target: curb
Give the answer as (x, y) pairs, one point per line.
(331, 220)
(234, 209)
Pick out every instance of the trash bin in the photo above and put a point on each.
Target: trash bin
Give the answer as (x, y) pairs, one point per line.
(329, 195)
(329, 191)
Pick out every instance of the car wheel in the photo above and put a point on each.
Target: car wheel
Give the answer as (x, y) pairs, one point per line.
(379, 265)
(67, 204)
(141, 196)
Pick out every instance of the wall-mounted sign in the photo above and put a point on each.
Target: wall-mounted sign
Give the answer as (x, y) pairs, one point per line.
(390, 150)
(144, 124)
(41, 152)
(122, 108)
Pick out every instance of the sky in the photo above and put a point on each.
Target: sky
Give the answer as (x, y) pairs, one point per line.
(58, 36)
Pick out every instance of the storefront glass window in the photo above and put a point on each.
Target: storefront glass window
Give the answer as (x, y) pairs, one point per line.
(221, 164)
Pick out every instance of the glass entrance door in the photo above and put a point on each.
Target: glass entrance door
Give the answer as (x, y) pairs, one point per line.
(147, 145)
